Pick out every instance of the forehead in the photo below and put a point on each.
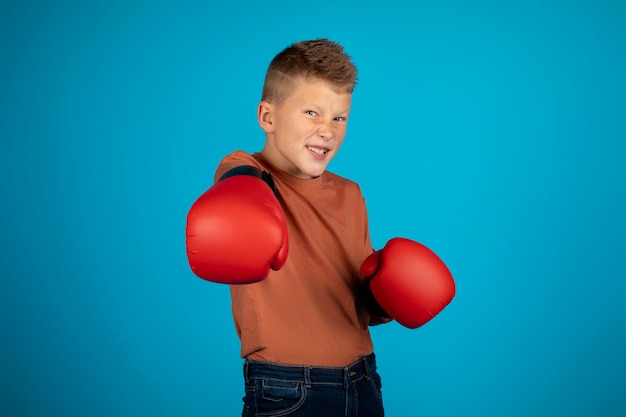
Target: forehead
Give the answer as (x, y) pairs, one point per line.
(315, 89)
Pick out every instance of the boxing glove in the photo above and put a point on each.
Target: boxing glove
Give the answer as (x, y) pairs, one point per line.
(409, 281)
(236, 231)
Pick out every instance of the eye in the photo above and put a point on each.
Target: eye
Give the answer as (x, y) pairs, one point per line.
(340, 119)
(311, 113)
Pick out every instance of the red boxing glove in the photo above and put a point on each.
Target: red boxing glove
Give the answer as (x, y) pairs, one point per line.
(236, 230)
(409, 281)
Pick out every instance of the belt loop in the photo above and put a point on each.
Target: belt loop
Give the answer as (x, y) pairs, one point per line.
(346, 377)
(367, 366)
(307, 376)
(245, 371)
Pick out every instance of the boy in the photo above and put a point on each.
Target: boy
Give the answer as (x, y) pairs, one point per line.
(292, 239)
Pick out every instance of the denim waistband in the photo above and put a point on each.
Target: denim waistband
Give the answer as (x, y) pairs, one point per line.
(311, 374)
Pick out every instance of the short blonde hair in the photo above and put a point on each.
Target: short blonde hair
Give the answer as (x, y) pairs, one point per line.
(314, 59)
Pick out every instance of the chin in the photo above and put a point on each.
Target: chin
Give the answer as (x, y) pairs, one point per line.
(315, 173)
(313, 170)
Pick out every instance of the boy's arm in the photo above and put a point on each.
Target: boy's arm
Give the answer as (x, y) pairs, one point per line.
(236, 231)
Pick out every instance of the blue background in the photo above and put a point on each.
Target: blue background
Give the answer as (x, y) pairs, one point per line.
(494, 132)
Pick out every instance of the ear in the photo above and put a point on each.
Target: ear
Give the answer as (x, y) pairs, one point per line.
(265, 114)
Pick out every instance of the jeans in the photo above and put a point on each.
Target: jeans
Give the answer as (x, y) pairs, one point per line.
(305, 391)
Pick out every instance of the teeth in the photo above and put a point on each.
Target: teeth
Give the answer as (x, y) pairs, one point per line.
(318, 151)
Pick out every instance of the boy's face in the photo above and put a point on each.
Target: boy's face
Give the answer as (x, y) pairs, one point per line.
(306, 130)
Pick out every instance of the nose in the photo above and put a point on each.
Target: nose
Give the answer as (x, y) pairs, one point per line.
(326, 130)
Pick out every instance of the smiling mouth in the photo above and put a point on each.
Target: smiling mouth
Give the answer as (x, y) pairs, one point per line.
(317, 151)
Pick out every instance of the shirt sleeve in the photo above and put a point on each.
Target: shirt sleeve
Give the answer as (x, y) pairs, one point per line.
(377, 314)
(233, 160)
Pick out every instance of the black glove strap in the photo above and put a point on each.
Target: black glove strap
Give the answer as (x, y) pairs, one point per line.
(371, 305)
(253, 172)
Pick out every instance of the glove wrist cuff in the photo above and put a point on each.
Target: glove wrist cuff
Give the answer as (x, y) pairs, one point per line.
(252, 172)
